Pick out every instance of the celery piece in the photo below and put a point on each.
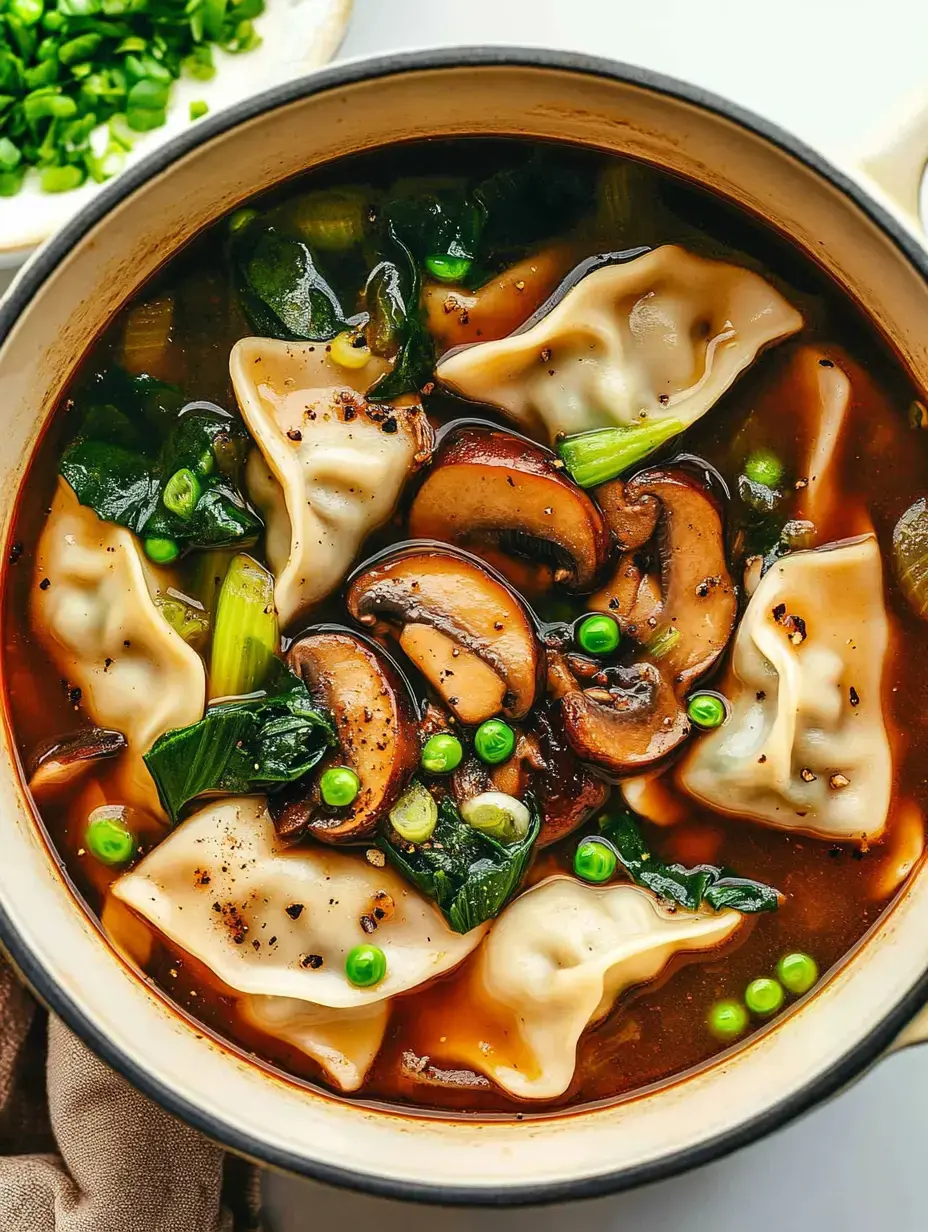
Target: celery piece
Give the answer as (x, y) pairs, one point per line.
(245, 632)
(594, 457)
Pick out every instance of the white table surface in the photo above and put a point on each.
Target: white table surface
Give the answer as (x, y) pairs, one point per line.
(838, 73)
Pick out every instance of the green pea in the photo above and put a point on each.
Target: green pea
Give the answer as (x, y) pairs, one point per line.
(598, 635)
(594, 860)
(110, 841)
(764, 996)
(727, 1020)
(797, 972)
(706, 710)
(366, 965)
(181, 493)
(763, 466)
(494, 741)
(447, 268)
(442, 753)
(339, 786)
(161, 551)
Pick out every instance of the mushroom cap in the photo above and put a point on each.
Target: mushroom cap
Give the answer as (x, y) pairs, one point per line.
(506, 499)
(691, 591)
(460, 625)
(373, 714)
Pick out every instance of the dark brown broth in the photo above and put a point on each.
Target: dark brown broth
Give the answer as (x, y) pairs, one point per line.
(834, 893)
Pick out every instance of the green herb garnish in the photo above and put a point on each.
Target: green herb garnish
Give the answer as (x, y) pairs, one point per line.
(241, 747)
(689, 887)
(468, 874)
(79, 78)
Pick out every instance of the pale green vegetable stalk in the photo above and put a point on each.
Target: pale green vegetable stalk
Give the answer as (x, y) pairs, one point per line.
(245, 632)
(663, 642)
(500, 816)
(415, 814)
(332, 220)
(593, 458)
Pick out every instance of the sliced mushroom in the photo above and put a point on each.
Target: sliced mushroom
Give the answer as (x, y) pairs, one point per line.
(456, 316)
(630, 722)
(61, 761)
(373, 715)
(690, 595)
(462, 628)
(505, 499)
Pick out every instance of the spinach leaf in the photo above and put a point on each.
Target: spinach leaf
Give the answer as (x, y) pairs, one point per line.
(281, 291)
(689, 887)
(126, 485)
(416, 356)
(447, 223)
(532, 200)
(468, 874)
(241, 747)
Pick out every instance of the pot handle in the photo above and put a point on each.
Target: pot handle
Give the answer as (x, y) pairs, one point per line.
(915, 1031)
(897, 164)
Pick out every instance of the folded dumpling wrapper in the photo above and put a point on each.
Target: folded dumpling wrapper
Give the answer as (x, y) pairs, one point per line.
(554, 963)
(343, 1042)
(329, 467)
(660, 337)
(93, 607)
(806, 745)
(260, 914)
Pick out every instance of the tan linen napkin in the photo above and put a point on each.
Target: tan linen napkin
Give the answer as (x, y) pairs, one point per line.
(83, 1151)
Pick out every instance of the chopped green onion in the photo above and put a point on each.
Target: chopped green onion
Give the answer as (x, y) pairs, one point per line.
(500, 816)
(161, 551)
(595, 457)
(245, 633)
(185, 617)
(661, 644)
(181, 493)
(108, 838)
(415, 814)
(366, 965)
(198, 109)
(764, 467)
(241, 218)
(447, 268)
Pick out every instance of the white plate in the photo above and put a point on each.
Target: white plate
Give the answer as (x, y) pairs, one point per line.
(298, 35)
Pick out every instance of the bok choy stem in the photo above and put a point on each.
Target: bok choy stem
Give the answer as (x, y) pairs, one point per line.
(246, 633)
(595, 457)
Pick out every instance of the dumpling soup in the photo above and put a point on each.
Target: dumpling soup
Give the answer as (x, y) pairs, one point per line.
(466, 628)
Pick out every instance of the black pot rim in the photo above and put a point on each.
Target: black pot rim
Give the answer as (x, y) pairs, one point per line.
(39, 269)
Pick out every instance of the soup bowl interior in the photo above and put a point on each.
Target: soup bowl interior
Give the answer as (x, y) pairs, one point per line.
(59, 306)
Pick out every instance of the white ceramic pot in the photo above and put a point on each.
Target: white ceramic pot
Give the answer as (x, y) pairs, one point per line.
(60, 302)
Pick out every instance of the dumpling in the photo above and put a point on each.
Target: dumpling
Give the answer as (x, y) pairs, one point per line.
(272, 920)
(92, 606)
(661, 337)
(343, 1042)
(329, 467)
(805, 746)
(823, 391)
(555, 962)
